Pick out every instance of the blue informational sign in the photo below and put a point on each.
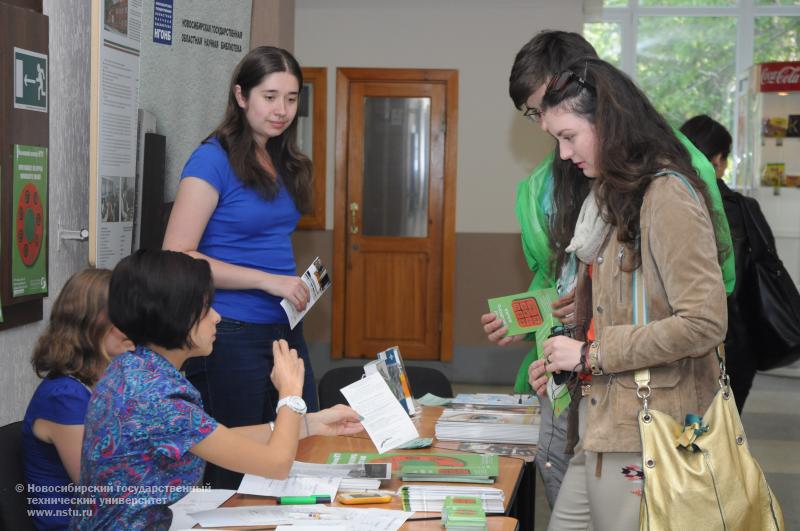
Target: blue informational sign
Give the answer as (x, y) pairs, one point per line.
(162, 22)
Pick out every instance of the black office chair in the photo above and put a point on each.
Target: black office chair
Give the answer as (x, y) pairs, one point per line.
(428, 380)
(335, 379)
(422, 380)
(13, 509)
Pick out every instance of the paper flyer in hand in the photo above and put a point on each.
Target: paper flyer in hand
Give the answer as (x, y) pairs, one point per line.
(527, 312)
(317, 279)
(386, 422)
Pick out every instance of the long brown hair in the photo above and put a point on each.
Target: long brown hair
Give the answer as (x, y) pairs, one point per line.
(634, 143)
(236, 136)
(72, 343)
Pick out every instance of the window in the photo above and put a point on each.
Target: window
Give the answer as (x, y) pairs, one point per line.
(687, 54)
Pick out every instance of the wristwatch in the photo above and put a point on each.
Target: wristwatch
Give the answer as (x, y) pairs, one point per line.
(295, 403)
(594, 358)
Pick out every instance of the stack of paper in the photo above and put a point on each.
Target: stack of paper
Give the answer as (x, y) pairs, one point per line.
(424, 466)
(314, 478)
(488, 426)
(472, 468)
(359, 484)
(518, 403)
(463, 513)
(430, 498)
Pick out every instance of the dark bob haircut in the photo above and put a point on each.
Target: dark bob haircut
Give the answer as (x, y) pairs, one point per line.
(708, 135)
(156, 297)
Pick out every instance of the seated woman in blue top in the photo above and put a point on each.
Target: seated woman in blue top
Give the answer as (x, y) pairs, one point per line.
(69, 356)
(239, 200)
(147, 436)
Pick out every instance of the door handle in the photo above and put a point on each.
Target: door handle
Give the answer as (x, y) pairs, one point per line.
(353, 212)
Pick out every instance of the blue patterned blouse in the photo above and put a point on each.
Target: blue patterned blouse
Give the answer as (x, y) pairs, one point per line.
(142, 420)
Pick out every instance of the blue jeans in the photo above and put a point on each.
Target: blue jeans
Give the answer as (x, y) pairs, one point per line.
(234, 380)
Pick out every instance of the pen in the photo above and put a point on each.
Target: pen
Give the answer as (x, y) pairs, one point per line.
(303, 500)
(315, 516)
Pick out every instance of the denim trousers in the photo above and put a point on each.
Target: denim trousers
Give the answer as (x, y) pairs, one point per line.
(551, 461)
(234, 380)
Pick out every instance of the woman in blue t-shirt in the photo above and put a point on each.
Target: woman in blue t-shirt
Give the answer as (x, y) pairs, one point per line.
(147, 435)
(239, 200)
(69, 356)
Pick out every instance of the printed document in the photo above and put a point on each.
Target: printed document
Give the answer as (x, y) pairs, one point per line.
(266, 515)
(385, 420)
(317, 279)
(199, 499)
(292, 486)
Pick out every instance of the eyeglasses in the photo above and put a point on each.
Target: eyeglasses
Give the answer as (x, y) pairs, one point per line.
(561, 83)
(531, 113)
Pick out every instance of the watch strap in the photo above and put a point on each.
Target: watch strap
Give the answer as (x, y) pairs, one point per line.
(594, 358)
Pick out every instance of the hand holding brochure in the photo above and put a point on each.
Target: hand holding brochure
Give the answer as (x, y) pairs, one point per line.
(317, 279)
(526, 312)
(385, 421)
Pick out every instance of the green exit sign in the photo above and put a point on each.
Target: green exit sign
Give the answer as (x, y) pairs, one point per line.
(30, 80)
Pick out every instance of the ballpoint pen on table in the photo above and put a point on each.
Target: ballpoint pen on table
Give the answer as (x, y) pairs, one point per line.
(316, 516)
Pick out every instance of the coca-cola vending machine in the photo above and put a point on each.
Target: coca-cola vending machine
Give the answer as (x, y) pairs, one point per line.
(767, 154)
(767, 151)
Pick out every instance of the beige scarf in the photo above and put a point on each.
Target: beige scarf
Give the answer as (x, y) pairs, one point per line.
(590, 231)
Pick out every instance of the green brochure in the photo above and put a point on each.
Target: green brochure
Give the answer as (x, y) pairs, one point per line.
(527, 312)
(442, 466)
(532, 312)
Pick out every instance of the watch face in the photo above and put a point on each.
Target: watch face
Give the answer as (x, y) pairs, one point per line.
(296, 404)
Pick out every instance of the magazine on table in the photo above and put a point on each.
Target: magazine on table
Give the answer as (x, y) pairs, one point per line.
(318, 281)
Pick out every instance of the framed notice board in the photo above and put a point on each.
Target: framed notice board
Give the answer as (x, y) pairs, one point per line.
(24, 164)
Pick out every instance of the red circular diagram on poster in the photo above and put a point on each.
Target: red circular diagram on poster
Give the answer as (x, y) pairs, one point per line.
(30, 226)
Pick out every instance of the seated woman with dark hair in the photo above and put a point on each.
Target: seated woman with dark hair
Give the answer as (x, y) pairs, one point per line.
(147, 436)
(69, 356)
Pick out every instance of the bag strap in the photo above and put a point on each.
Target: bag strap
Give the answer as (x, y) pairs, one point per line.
(641, 376)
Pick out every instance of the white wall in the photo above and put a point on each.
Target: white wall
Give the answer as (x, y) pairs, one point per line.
(69, 170)
(479, 38)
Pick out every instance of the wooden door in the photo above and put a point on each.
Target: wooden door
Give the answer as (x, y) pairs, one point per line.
(394, 243)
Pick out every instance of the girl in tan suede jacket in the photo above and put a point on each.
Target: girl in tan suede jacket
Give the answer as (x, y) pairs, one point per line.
(647, 214)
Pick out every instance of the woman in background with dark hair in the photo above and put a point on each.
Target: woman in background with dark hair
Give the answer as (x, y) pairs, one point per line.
(741, 350)
(147, 436)
(241, 195)
(70, 356)
(645, 222)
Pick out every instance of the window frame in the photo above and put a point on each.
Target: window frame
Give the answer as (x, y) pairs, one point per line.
(745, 12)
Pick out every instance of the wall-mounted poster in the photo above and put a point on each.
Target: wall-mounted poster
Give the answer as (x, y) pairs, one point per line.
(116, 35)
(29, 202)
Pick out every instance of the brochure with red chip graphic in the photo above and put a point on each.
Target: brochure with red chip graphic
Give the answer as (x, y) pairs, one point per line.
(527, 312)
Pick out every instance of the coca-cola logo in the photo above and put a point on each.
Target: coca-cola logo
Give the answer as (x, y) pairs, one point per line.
(786, 75)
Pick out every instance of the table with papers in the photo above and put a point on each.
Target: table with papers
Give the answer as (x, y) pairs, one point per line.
(318, 449)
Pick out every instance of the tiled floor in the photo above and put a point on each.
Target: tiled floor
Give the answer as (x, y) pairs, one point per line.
(771, 420)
